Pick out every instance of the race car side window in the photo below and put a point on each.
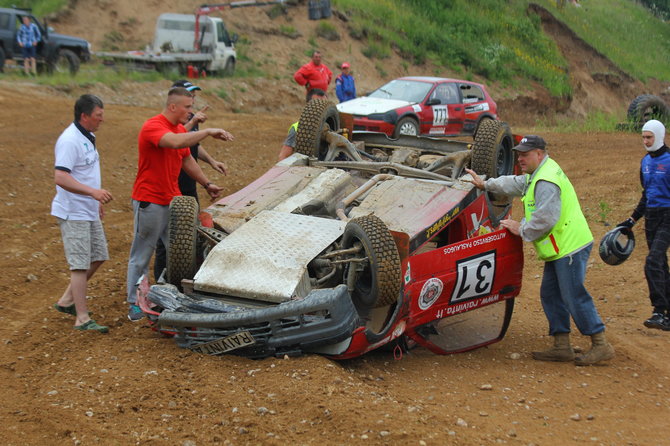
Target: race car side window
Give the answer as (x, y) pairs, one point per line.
(472, 93)
(446, 93)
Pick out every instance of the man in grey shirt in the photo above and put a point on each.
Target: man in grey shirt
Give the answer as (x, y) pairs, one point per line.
(553, 221)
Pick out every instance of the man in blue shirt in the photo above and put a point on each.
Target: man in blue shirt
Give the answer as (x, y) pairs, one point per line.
(27, 37)
(345, 87)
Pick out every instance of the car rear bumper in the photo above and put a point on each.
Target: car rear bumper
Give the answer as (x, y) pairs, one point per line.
(324, 317)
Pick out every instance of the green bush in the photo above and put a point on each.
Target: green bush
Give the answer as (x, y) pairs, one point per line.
(327, 30)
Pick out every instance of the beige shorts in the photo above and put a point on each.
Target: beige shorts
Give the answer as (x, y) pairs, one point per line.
(84, 242)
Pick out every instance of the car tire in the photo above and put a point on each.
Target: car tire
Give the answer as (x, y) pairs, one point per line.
(66, 61)
(2, 60)
(406, 126)
(229, 68)
(378, 284)
(316, 114)
(183, 239)
(492, 153)
(646, 107)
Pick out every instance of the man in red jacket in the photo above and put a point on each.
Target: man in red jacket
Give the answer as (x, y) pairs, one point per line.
(314, 74)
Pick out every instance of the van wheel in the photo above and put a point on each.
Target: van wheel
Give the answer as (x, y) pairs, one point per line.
(66, 61)
(229, 69)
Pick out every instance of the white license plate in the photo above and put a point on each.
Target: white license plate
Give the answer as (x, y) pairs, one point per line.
(229, 343)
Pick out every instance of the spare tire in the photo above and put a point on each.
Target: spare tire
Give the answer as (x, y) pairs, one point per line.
(183, 239)
(646, 107)
(316, 114)
(492, 153)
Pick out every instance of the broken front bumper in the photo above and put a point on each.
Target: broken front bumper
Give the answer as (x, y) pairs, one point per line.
(324, 317)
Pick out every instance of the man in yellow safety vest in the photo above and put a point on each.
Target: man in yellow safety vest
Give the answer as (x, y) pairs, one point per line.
(553, 221)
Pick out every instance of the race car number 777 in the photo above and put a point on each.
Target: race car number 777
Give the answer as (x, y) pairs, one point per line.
(440, 115)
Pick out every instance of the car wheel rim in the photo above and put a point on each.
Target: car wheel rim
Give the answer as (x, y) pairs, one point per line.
(408, 129)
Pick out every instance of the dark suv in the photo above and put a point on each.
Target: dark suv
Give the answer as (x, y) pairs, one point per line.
(55, 52)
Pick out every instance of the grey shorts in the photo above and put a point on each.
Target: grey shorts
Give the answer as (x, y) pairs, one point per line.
(84, 242)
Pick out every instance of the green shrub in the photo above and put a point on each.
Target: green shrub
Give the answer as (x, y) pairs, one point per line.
(327, 30)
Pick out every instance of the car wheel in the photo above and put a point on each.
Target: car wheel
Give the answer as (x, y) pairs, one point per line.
(492, 153)
(183, 238)
(229, 68)
(66, 61)
(646, 107)
(316, 114)
(375, 282)
(407, 126)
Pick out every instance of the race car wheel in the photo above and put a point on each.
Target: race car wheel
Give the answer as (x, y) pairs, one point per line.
(407, 126)
(646, 107)
(183, 237)
(316, 114)
(376, 282)
(492, 153)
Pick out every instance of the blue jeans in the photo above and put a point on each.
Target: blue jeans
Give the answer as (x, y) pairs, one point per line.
(563, 295)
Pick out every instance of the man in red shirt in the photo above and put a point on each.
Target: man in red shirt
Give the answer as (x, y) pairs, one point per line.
(314, 74)
(163, 151)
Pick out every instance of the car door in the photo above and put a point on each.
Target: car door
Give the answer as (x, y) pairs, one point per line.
(444, 110)
(462, 294)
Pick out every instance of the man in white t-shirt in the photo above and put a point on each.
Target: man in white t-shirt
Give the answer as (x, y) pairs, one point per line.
(78, 207)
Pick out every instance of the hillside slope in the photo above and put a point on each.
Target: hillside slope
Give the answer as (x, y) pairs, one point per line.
(598, 84)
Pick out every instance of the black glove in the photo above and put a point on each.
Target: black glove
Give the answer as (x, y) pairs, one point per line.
(629, 223)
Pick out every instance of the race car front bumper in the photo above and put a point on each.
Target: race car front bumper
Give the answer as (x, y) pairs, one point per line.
(323, 317)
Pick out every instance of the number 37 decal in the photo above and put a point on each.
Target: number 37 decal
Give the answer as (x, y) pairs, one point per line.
(440, 115)
(474, 277)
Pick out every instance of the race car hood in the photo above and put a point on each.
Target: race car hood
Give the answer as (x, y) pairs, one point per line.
(367, 105)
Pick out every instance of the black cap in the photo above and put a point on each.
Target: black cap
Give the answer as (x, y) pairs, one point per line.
(186, 84)
(531, 142)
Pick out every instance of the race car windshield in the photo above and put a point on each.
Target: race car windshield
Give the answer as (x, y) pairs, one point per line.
(403, 90)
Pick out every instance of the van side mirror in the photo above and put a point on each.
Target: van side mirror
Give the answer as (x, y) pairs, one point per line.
(234, 38)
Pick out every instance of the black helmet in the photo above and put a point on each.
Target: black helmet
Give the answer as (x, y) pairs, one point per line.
(612, 250)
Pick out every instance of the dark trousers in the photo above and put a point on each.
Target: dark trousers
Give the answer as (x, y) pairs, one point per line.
(160, 261)
(657, 231)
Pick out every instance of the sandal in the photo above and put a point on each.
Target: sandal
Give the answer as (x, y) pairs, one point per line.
(93, 326)
(67, 310)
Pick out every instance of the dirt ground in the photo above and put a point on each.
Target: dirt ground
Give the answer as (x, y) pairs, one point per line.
(135, 387)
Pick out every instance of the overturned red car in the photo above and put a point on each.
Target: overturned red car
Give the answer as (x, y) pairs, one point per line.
(345, 247)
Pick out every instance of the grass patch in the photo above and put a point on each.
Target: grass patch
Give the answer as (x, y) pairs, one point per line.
(39, 8)
(502, 42)
(594, 122)
(327, 30)
(624, 31)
